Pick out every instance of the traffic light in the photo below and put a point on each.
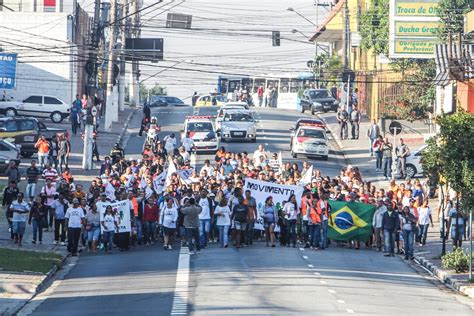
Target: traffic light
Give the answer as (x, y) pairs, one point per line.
(100, 76)
(276, 38)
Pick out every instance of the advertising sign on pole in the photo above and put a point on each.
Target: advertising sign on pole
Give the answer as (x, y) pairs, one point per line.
(413, 28)
(7, 71)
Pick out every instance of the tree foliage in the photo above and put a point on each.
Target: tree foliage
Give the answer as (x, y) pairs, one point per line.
(451, 15)
(451, 156)
(374, 27)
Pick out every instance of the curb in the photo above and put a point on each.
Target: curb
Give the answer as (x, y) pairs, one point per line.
(125, 127)
(444, 277)
(50, 274)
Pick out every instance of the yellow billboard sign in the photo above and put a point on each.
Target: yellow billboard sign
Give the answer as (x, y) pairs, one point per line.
(414, 46)
(412, 28)
(416, 8)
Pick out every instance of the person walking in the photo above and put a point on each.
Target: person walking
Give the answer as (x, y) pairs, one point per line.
(75, 114)
(372, 134)
(109, 227)
(12, 172)
(48, 192)
(314, 223)
(424, 221)
(194, 98)
(251, 217)
(260, 91)
(59, 208)
(92, 224)
(378, 150)
(239, 216)
(402, 152)
(64, 152)
(390, 226)
(32, 176)
(168, 218)
(324, 209)
(20, 210)
(38, 212)
(377, 223)
(10, 194)
(223, 221)
(408, 226)
(342, 117)
(42, 145)
(455, 224)
(387, 158)
(191, 223)
(207, 210)
(355, 122)
(270, 217)
(150, 217)
(74, 221)
(291, 213)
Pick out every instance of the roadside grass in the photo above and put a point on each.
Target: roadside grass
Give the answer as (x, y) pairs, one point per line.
(20, 261)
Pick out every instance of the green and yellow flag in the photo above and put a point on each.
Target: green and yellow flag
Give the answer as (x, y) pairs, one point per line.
(350, 220)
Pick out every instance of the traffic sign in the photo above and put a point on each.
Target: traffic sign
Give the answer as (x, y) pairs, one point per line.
(395, 128)
(94, 111)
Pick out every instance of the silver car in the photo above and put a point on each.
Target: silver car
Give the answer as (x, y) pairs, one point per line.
(239, 125)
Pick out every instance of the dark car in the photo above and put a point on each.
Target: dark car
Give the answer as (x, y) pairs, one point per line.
(318, 100)
(25, 131)
(164, 100)
(156, 101)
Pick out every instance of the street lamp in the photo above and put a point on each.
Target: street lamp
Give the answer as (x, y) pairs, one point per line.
(301, 15)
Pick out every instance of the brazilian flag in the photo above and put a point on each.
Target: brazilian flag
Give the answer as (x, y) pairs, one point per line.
(350, 220)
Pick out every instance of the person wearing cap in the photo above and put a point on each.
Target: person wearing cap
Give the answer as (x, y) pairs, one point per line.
(377, 223)
(74, 221)
(117, 153)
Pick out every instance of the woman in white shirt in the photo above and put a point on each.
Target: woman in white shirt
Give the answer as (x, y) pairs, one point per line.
(424, 220)
(291, 212)
(223, 221)
(168, 218)
(109, 226)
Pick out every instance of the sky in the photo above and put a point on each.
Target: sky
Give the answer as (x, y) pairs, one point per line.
(227, 37)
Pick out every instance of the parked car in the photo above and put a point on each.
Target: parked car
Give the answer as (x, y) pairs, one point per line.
(238, 125)
(413, 163)
(156, 101)
(37, 106)
(206, 100)
(318, 100)
(173, 101)
(8, 152)
(25, 131)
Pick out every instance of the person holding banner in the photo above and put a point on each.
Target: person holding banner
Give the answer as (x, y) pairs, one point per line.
(168, 218)
(109, 226)
(291, 213)
(270, 216)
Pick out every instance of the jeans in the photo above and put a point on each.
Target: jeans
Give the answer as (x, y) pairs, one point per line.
(378, 237)
(53, 160)
(422, 233)
(59, 229)
(93, 234)
(378, 162)
(292, 231)
(249, 231)
(408, 239)
(74, 125)
(37, 228)
(387, 167)
(73, 235)
(389, 241)
(108, 240)
(139, 228)
(63, 160)
(371, 146)
(30, 190)
(190, 234)
(150, 228)
(224, 234)
(42, 159)
(315, 234)
(204, 228)
(324, 234)
(402, 167)
(343, 130)
(355, 130)
(305, 228)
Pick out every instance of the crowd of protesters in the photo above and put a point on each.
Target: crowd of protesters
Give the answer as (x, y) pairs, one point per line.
(209, 205)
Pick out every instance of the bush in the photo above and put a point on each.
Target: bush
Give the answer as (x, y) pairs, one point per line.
(456, 260)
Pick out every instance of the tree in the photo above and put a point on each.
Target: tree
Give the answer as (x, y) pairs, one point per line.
(374, 27)
(144, 92)
(451, 15)
(451, 156)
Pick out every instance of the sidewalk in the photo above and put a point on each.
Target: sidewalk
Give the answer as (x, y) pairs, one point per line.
(18, 288)
(356, 153)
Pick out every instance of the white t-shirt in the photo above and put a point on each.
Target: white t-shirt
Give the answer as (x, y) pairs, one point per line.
(290, 211)
(424, 215)
(206, 209)
(75, 215)
(109, 222)
(20, 206)
(224, 218)
(256, 156)
(169, 216)
(170, 143)
(209, 169)
(187, 143)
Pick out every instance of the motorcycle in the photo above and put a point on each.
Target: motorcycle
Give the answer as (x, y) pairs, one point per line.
(152, 137)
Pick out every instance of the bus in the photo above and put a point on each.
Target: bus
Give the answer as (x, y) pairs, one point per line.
(287, 88)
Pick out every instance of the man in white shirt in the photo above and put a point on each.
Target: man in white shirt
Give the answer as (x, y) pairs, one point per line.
(170, 143)
(204, 217)
(207, 167)
(20, 210)
(377, 223)
(74, 220)
(259, 153)
(187, 142)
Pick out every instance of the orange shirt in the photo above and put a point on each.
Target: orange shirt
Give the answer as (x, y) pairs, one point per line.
(43, 146)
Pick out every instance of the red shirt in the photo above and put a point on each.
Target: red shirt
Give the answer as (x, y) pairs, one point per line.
(150, 213)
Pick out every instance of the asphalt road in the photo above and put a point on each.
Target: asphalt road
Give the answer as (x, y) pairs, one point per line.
(254, 280)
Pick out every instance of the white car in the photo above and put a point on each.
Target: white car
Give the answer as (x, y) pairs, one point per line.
(37, 106)
(238, 125)
(413, 162)
(202, 130)
(227, 107)
(310, 140)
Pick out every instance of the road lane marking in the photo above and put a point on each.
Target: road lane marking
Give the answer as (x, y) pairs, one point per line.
(305, 257)
(350, 311)
(302, 249)
(181, 291)
(332, 291)
(341, 301)
(310, 266)
(317, 273)
(323, 282)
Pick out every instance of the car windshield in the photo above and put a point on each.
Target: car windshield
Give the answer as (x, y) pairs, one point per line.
(200, 127)
(313, 133)
(238, 117)
(221, 98)
(173, 100)
(318, 94)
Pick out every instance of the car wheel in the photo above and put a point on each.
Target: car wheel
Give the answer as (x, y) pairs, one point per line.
(302, 109)
(254, 140)
(411, 171)
(312, 111)
(25, 154)
(293, 154)
(56, 117)
(10, 112)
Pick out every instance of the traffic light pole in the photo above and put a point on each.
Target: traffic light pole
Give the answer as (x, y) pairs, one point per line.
(111, 102)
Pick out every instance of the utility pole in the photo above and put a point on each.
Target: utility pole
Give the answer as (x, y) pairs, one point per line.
(111, 104)
(346, 34)
(134, 93)
(121, 103)
(91, 66)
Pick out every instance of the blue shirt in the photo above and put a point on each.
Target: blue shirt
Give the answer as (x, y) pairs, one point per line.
(76, 108)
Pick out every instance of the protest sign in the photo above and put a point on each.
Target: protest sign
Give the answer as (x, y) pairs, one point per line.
(122, 213)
